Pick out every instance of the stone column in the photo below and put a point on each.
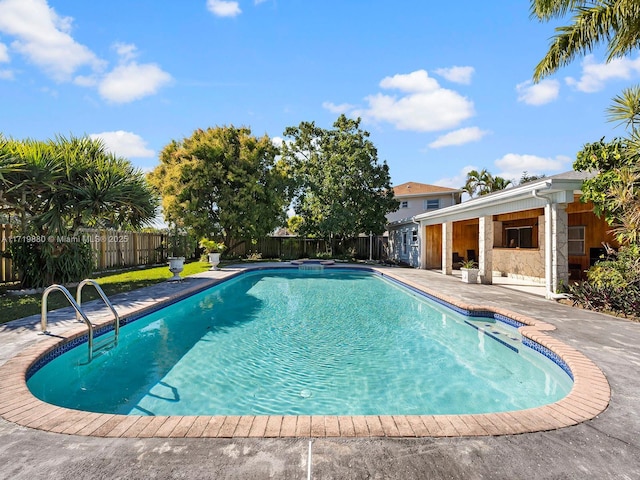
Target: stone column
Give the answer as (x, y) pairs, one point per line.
(447, 248)
(485, 254)
(559, 246)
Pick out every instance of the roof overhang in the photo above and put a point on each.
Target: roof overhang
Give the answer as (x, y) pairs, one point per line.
(507, 201)
(427, 194)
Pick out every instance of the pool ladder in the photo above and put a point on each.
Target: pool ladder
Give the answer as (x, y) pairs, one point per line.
(80, 315)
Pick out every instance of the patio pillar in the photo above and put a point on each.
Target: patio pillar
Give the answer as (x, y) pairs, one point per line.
(447, 248)
(559, 246)
(485, 255)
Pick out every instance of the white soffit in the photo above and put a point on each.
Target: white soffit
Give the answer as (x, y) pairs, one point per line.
(505, 201)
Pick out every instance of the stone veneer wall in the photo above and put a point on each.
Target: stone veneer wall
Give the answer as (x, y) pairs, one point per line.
(523, 263)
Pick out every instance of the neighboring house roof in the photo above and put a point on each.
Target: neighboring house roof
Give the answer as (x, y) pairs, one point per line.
(556, 188)
(412, 189)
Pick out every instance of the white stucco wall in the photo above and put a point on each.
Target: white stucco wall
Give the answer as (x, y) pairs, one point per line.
(410, 254)
(415, 206)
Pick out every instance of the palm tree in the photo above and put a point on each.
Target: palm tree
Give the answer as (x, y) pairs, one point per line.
(482, 182)
(498, 183)
(614, 22)
(101, 189)
(477, 182)
(63, 185)
(624, 193)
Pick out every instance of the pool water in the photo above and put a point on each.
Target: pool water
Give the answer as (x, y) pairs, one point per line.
(289, 342)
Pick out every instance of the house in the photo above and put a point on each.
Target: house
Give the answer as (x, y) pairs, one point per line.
(538, 231)
(415, 198)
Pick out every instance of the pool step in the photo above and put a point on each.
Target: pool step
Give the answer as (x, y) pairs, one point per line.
(506, 335)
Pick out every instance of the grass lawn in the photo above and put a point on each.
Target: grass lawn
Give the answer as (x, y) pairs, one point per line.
(13, 307)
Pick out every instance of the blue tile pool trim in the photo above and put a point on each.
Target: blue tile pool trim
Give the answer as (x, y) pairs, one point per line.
(59, 350)
(549, 354)
(125, 320)
(497, 317)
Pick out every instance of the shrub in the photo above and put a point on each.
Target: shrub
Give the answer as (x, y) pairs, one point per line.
(41, 264)
(612, 285)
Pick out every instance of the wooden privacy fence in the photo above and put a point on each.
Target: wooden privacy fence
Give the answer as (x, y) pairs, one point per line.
(6, 270)
(292, 248)
(111, 248)
(115, 248)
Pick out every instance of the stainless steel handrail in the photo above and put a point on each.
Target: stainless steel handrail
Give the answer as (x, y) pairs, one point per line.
(74, 304)
(104, 298)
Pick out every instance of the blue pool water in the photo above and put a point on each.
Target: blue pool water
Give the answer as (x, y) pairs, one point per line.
(289, 342)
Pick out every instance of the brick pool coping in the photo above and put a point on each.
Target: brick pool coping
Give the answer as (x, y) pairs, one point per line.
(589, 396)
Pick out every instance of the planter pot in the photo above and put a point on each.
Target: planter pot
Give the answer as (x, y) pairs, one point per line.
(176, 265)
(469, 275)
(214, 260)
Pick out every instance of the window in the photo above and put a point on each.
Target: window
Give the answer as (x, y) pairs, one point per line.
(414, 236)
(431, 204)
(576, 240)
(520, 237)
(404, 204)
(405, 241)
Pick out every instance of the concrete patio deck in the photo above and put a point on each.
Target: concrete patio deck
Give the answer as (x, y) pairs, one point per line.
(604, 447)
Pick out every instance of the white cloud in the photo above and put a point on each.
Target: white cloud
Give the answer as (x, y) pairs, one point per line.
(4, 53)
(424, 107)
(595, 75)
(539, 93)
(129, 81)
(6, 75)
(277, 141)
(512, 165)
(223, 8)
(126, 51)
(342, 108)
(132, 81)
(125, 144)
(458, 180)
(418, 81)
(457, 74)
(459, 137)
(44, 38)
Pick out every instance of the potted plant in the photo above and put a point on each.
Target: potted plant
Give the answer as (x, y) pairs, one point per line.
(213, 250)
(469, 270)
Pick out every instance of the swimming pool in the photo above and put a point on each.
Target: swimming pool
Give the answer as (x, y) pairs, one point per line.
(274, 342)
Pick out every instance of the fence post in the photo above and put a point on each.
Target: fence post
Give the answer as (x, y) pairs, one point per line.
(134, 241)
(102, 235)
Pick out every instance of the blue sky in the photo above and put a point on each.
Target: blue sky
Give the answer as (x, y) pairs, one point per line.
(442, 87)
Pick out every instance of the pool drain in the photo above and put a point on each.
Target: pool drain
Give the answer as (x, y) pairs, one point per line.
(305, 393)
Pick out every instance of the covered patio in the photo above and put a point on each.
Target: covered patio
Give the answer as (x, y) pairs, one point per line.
(539, 233)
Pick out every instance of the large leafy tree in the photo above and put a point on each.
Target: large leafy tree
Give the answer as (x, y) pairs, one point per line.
(342, 190)
(615, 23)
(223, 182)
